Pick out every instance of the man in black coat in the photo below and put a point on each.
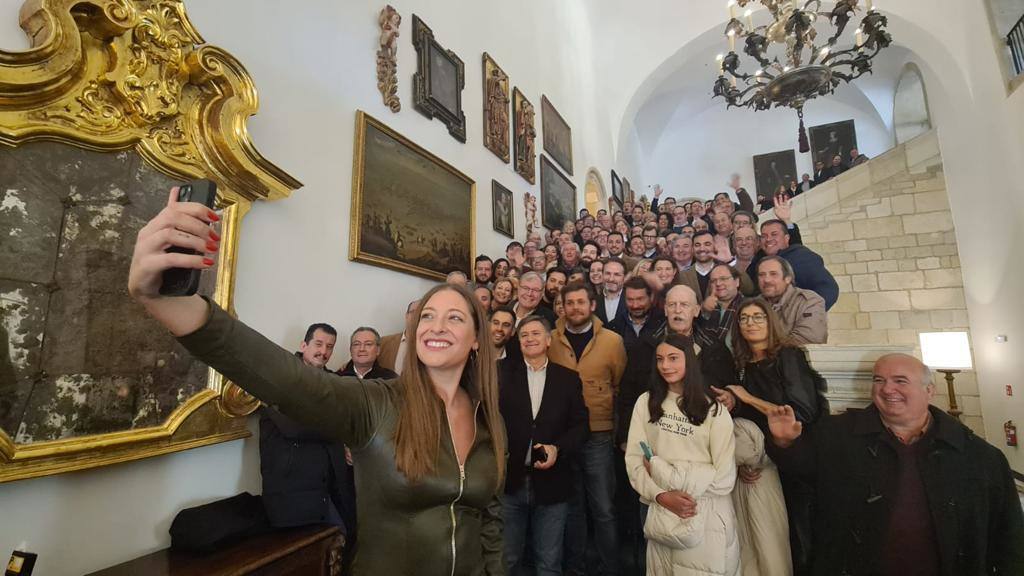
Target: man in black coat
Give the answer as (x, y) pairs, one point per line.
(304, 473)
(611, 292)
(546, 420)
(903, 488)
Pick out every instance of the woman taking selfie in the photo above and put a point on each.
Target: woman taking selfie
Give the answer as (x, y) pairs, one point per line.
(429, 447)
(680, 459)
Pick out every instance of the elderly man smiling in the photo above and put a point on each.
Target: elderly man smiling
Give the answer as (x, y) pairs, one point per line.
(903, 488)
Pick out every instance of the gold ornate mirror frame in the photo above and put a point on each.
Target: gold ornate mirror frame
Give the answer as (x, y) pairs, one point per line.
(111, 75)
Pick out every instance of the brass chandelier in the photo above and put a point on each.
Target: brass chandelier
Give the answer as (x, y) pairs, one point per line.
(804, 69)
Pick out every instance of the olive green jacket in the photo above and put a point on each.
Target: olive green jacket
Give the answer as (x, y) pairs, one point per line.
(447, 524)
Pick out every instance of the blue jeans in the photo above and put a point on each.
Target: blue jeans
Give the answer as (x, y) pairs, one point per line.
(593, 494)
(546, 523)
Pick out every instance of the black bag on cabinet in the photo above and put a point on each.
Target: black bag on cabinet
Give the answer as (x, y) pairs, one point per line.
(219, 524)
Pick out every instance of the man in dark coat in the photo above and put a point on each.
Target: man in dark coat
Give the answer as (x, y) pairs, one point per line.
(304, 475)
(547, 421)
(808, 266)
(903, 488)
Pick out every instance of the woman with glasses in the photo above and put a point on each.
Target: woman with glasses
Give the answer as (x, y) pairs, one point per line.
(773, 369)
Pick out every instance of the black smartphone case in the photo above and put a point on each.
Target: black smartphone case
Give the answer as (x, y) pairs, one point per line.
(185, 281)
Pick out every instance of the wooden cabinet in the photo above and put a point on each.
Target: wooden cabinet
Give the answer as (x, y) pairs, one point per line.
(308, 551)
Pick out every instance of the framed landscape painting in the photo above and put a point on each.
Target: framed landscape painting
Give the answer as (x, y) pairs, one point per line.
(501, 209)
(558, 196)
(411, 211)
(829, 140)
(773, 170)
(557, 135)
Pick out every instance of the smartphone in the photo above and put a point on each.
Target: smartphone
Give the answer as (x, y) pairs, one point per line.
(185, 281)
(539, 454)
(648, 454)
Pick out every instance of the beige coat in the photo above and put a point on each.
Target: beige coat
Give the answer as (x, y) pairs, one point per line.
(600, 368)
(389, 351)
(803, 316)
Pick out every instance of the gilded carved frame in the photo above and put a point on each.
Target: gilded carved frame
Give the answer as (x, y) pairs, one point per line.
(111, 75)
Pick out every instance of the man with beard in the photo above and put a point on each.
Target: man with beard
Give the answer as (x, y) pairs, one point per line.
(802, 312)
(304, 474)
(610, 304)
(582, 343)
(808, 267)
(557, 278)
(483, 267)
(503, 324)
(639, 330)
(591, 251)
(616, 244)
(698, 276)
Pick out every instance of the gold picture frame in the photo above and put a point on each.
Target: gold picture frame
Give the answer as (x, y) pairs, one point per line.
(431, 238)
(109, 75)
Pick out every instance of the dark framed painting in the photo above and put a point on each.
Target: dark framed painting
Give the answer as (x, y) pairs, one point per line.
(439, 80)
(496, 112)
(411, 211)
(557, 196)
(557, 135)
(617, 192)
(524, 138)
(829, 140)
(501, 209)
(627, 191)
(774, 170)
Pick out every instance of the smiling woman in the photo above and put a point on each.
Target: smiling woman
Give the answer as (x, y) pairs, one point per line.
(429, 446)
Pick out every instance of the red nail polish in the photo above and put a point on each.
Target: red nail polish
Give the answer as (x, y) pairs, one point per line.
(212, 246)
(214, 217)
(214, 236)
(208, 261)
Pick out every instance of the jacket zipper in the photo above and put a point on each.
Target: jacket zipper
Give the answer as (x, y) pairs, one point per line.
(462, 474)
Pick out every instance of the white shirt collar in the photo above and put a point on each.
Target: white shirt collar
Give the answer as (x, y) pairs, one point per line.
(530, 368)
(583, 330)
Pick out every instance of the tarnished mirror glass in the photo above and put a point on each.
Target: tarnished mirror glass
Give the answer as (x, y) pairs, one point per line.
(83, 357)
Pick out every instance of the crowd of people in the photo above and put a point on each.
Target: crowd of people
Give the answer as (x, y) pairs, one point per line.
(634, 380)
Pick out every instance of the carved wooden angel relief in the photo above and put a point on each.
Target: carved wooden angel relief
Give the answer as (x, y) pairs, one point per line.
(387, 57)
(115, 101)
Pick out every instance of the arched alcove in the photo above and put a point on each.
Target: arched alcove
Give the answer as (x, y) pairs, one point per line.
(910, 114)
(594, 195)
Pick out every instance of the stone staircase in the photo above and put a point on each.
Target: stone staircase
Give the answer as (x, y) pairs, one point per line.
(886, 233)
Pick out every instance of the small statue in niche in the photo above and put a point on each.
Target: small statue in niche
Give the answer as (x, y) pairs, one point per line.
(526, 133)
(530, 201)
(387, 57)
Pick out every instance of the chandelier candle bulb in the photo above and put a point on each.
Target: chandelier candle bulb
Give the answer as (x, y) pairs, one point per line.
(732, 8)
(750, 19)
(732, 40)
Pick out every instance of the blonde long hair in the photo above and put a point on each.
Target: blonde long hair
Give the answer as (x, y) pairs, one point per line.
(420, 416)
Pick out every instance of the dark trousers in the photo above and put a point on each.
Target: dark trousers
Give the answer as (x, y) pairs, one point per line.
(545, 524)
(593, 495)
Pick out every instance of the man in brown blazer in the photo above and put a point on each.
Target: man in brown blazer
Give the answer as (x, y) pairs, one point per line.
(392, 346)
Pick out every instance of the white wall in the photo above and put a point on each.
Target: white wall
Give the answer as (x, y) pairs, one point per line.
(696, 155)
(314, 64)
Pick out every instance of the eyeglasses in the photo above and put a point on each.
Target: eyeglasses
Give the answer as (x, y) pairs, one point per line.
(528, 290)
(753, 318)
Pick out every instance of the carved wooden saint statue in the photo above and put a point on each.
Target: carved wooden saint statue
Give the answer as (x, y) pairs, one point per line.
(387, 55)
(496, 109)
(526, 134)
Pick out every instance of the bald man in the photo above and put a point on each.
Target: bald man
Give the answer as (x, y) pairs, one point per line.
(904, 488)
